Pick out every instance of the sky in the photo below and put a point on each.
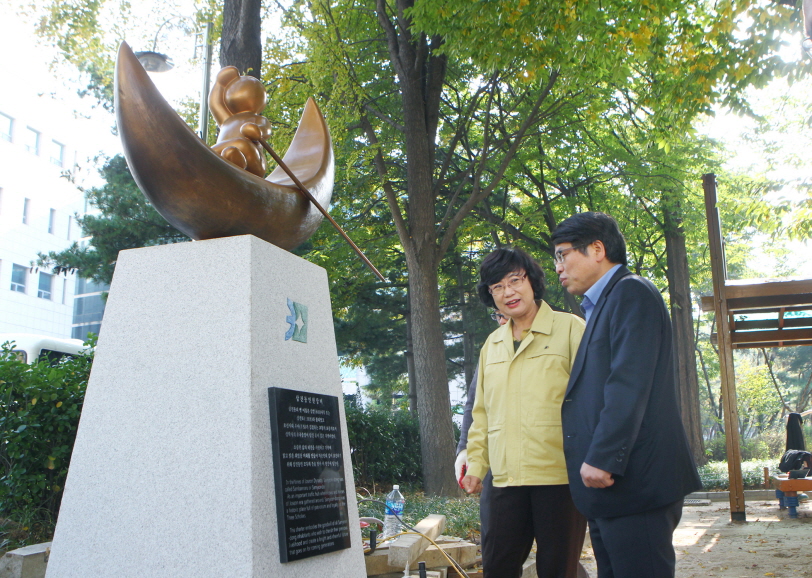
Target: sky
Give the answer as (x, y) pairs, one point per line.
(30, 86)
(788, 144)
(24, 56)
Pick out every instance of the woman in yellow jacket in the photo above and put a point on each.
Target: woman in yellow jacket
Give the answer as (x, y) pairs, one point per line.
(523, 372)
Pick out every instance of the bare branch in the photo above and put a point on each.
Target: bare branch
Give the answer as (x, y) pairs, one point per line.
(476, 198)
(380, 166)
(383, 117)
(769, 363)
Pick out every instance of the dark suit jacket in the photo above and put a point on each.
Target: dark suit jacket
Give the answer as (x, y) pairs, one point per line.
(467, 415)
(620, 412)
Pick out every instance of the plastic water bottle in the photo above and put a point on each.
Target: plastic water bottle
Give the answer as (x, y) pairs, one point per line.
(394, 504)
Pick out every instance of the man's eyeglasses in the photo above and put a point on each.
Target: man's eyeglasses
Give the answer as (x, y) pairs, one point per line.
(562, 254)
(514, 282)
(498, 317)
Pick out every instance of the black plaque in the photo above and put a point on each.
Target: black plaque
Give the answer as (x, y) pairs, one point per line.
(311, 494)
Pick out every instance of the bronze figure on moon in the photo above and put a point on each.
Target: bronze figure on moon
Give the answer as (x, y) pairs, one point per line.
(201, 193)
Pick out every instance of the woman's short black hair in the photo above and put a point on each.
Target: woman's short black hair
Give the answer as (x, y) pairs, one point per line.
(501, 263)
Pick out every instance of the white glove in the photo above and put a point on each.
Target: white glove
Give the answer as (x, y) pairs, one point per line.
(462, 460)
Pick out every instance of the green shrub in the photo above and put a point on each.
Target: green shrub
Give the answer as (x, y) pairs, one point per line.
(715, 449)
(462, 514)
(714, 475)
(40, 407)
(385, 445)
(769, 444)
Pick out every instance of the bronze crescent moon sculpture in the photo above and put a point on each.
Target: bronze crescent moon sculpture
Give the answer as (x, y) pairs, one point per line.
(203, 195)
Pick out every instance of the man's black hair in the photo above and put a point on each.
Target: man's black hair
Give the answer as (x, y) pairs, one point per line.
(584, 228)
(501, 263)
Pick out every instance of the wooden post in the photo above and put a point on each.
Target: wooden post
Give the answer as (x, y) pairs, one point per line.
(726, 370)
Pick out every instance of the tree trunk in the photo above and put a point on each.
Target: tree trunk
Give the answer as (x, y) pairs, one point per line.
(679, 288)
(468, 354)
(241, 40)
(420, 74)
(410, 359)
(433, 400)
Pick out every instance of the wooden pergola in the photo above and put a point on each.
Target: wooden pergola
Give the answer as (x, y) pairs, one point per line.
(749, 314)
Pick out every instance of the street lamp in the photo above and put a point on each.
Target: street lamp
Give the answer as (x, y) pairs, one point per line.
(157, 62)
(154, 61)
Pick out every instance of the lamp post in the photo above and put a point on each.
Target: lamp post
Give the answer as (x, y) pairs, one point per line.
(204, 94)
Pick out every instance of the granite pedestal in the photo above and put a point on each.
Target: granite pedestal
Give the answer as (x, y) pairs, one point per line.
(172, 471)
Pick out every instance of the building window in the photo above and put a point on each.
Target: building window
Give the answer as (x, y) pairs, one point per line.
(57, 153)
(32, 140)
(44, 291)
(82, 331)
(85, 286)
(70, 222)
(26, 209)
(6, 124)
(18, 273)
(52, 222)
(64, 291)
(88, 307)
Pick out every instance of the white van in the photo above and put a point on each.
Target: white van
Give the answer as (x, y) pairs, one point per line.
(30, 347)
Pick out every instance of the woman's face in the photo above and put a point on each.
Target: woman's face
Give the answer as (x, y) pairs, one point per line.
(513, 295)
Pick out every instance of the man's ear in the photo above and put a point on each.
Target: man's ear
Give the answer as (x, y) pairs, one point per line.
(600, 251)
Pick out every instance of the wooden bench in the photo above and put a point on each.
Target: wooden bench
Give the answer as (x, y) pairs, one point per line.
(786, 490)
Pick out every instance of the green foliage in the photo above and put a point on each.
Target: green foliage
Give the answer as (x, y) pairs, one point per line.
(677, 57)
(75, 27)
(764, 446)
(778, 139)
(792, 367)
(462, 514)
(385, 445)
(126, 220)
(714, 475)
(41, 405)
(758, 402)
(370, 325)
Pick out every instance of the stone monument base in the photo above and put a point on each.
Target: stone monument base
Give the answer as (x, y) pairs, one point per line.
(172, 472)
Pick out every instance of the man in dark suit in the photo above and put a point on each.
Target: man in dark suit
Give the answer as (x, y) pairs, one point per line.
(628, 459)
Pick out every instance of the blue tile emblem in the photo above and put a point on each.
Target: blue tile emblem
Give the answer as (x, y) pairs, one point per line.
(298, 322)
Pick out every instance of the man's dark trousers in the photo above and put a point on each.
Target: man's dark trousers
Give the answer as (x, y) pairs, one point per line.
(651, 531)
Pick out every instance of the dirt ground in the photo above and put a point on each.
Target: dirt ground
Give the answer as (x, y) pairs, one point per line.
(770, 543)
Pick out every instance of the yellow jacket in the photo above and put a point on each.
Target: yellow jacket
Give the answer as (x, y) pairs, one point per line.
(517, 411)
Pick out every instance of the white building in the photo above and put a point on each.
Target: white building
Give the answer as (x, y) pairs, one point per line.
(42, 139)
(38, 208)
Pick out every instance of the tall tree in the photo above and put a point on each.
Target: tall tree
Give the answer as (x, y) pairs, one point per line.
(429, 136)
(663, 62)
(679, 291)
(443, 114)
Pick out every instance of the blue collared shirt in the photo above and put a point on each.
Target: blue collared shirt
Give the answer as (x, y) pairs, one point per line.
(594, 293)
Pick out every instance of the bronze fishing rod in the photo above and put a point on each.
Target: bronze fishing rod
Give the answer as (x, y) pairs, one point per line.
(312, 199)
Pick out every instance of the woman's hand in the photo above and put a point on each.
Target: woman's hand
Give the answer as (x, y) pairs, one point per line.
(472, 484)
(460, 465)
